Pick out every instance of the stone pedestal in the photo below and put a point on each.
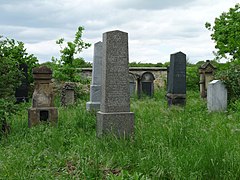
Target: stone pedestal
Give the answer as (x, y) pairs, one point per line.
(176, 99)
(115, 117)
(42, 109)
(95, 88)
(119, 124)
(37, 115)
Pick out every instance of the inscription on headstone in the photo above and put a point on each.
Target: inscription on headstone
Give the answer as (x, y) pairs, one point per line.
(95, 88)
(176, 92)
(216, 96)
(115, 116)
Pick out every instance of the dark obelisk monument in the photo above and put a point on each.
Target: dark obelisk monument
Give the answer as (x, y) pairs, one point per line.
(176, 93)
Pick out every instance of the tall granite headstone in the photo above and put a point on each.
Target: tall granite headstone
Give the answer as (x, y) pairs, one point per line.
(114, 116)
(95, 88)
(21, 93)
(176, 93)
(216, 96)
(42, 109)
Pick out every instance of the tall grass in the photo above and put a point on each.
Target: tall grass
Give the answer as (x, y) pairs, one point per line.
(169, 143)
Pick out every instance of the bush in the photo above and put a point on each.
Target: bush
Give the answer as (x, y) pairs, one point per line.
(12, 54)
(230, 75)
(192, 78)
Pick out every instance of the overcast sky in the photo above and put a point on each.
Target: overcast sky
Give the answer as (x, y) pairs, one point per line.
(156, 28)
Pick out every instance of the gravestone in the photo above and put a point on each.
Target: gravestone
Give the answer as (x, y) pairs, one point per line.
(21, 93)
(68, 94)
(216, 96)
(176, 93)
(206, 71)
(132, 84)
(114, 116)
(95, 88)
(147, 84)
(42, 109)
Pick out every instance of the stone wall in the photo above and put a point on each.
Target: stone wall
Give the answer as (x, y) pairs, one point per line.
(160, 74)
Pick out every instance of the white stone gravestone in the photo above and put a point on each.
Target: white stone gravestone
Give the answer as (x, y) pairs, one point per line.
(216, 96)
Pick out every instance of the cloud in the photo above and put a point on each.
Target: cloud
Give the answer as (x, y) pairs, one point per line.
(156, 28)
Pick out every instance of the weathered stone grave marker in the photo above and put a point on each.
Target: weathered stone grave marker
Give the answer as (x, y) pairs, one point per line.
(42, 101)
(68, 94)
(114, 116)
(206, 71)
(95, 88)
(176, 93)
(216, 96)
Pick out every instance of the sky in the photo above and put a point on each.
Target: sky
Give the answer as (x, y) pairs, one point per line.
(156, 28)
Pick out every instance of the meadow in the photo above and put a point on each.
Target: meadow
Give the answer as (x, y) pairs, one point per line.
(169, 143)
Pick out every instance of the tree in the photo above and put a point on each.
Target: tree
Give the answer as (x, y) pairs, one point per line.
(226, 34)
(12, 54)
(65, 68)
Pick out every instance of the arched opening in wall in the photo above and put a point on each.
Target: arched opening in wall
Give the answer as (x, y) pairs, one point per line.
(132, 84)
(147, 84)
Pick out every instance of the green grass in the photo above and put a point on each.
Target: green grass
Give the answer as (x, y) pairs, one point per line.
(169, 143)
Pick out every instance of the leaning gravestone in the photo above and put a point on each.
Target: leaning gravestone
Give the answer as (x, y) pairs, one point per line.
(95, 88)
(68, 94)
(114, 116)
(42, 109)
(216, 96)
(176, 93)
(21, 93)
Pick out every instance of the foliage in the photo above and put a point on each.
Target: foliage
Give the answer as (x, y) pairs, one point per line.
(192, 78)
(169, 143)
(65, 67)
(12, 54)
(226, 33)
(16, 51)
(230, 75)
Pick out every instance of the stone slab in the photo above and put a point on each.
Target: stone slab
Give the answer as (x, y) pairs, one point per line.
(216, 96)
(119, 124)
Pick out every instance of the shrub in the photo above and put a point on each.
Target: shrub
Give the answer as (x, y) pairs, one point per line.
(192, 78)
(230, 75)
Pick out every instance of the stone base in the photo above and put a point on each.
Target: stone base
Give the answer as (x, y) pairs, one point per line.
(93, 106)
(176, 99)
(120, 124)
(44, 114)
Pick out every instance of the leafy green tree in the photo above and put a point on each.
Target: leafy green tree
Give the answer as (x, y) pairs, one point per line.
(226, 34)
(12, 54)
(65, 68)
